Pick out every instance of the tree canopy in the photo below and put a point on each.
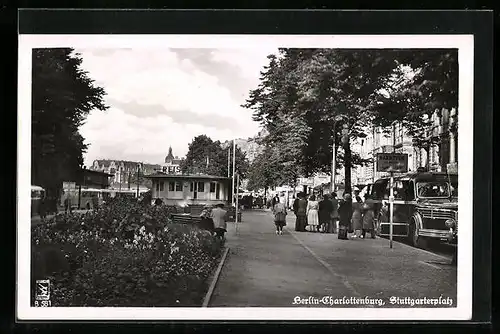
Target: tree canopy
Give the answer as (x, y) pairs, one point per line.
(62, 97)
(305, 96)
(210, 157)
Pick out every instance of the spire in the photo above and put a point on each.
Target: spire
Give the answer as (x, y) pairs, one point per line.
(170, 156)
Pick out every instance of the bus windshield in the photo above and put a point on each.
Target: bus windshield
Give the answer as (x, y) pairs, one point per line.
(435, 189)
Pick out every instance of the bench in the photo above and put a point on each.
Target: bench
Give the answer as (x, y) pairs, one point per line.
(196, 209)
(185, 219)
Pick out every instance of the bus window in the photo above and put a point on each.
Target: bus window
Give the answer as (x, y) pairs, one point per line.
(401, 190)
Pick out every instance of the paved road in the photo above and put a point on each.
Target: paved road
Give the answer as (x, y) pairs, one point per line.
(267, 270)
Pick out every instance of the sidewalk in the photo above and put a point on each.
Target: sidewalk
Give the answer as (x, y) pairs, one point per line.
(267, 270)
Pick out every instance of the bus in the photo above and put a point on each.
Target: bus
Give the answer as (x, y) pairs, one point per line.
(90, 198)
(37, 193)
(425, 207)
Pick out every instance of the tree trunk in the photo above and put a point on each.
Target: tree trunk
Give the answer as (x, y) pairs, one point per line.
(347, 167)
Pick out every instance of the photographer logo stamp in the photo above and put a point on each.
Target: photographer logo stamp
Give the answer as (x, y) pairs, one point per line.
(42, 293)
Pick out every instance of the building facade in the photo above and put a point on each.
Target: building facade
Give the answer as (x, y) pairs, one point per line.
(183, 190)
(441, 155)
(124, 173)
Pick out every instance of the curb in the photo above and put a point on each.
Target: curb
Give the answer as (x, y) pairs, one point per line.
(443, 257)
(211, 289)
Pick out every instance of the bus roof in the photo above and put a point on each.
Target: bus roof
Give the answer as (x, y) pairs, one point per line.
(424, 176)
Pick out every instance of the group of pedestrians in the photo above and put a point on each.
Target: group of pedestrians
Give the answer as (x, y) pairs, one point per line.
(328, 215)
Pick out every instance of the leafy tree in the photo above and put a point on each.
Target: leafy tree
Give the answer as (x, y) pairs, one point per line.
(62, 97)
(210, 157)
(308, 94)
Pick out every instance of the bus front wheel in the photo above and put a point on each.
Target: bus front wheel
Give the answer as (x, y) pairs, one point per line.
(415, 239)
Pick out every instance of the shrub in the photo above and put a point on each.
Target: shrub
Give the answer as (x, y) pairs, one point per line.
(124, 254)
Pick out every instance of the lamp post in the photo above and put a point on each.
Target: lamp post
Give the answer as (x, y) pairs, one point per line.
(138, 171)
(234, 171)
(82, 177)
(120, 178)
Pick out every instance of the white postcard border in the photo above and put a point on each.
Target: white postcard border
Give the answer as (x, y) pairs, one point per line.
(465, 44)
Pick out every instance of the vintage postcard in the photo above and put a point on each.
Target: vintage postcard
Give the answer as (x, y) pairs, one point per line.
(235, 177)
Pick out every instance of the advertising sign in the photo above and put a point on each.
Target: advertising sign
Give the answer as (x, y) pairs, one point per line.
(392, 162)
(69, 185)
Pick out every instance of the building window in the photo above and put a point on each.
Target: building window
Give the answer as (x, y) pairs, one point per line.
(178, 186)
(217, 192)
(191, 188)
(201, 187)
(162, 186)
(212, 187)
(171, 186)
(158, 187)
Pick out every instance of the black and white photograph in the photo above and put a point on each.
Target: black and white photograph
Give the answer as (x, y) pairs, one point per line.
(229, 177)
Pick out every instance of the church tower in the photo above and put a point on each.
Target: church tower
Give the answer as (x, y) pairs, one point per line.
(170, 157)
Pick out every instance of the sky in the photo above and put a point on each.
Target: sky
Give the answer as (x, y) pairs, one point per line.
(165, 97)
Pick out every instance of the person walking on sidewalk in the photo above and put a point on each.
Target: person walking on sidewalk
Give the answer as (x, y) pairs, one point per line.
(335, 212)
(275, 200)
(368, 220)
(301, 213)
(345, 214)
(357, 218)
(218, 216)
(280, 216)
(325, 212)
(312, 214)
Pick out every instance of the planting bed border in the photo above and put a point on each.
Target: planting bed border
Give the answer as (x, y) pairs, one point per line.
(215, 278)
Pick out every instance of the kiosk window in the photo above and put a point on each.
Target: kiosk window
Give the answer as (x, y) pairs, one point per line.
(178, 186)
(201, 187)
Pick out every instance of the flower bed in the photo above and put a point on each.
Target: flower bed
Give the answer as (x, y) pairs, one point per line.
(124, 254)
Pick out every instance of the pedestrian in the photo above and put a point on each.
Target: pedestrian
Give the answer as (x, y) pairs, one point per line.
(275, 200)
(219, 219)
(206, 222)
(356, 196)
(301, 213)
(67, 204)
(312, 214)
(295, 206)
(335, 212)
(368, 220)
(42, 207)
(345, 213)
(357, 219)
(280, 216)
(325, 212)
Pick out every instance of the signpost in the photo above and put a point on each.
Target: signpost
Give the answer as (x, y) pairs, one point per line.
(237, 209)
(392, 163)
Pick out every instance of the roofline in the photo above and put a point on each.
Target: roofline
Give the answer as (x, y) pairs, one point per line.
(417, 174)
(97, 172)
(185, 176)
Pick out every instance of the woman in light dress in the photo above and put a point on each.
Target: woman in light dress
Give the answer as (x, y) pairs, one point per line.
(312, 214)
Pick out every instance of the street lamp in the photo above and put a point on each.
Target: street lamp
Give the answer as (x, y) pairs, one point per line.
(138, 171)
